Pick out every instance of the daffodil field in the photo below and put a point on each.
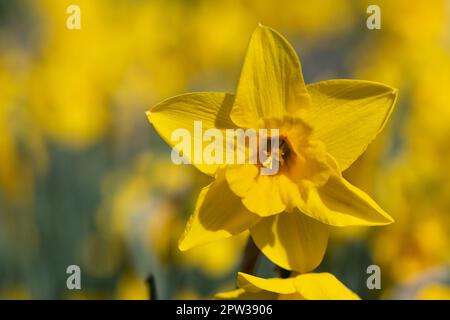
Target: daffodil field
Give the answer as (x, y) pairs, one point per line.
(254, 149)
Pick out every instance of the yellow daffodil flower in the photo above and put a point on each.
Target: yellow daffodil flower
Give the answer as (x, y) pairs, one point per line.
(308, 286)
(323, 128)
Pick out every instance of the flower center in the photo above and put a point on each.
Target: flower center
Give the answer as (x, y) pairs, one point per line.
(285, 150)
(283, 154)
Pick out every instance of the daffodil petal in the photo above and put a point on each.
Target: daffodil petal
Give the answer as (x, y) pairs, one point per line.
(254, 284)
(293, 240)
(348, 114)
(218, 214)
(264, 197)
(180, 112)
(322, 286)
(241, 294)
(261, 194)
(339, 203)
(271, 83)
(233, 294)
(241, 178)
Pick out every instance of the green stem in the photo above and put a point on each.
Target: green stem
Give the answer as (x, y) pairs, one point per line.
(283, 272)
(250, 257)
(152, 287)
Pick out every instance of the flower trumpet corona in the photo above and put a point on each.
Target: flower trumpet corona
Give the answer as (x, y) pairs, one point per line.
(323, 128)
(308, 286)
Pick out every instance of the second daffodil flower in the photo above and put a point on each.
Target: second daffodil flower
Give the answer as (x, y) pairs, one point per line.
(323, 128)
(307, 286)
